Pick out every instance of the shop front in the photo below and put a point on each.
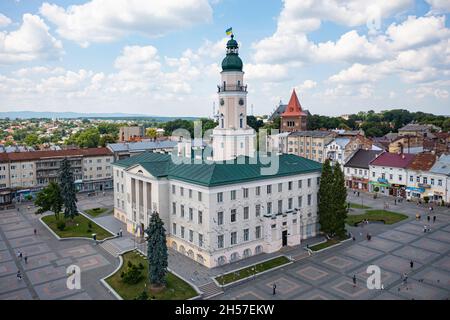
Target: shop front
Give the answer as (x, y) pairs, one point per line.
(358, 184)
(379, 187)
(413, 193)
(397, 190)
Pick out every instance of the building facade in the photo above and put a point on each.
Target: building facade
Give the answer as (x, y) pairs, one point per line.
(309, 144)
(356, 169)
(217, 212)
(134, 133)
(293, 118)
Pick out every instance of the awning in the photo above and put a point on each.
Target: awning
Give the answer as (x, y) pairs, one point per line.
(421, 190)
(377, 184)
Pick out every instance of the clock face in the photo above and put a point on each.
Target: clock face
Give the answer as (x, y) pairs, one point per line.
(241, 102)
(222, 102)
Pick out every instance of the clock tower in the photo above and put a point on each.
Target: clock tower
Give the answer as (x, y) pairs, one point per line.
(232, 137)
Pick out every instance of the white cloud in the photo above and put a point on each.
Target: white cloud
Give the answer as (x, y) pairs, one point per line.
(31, 41)
(307, 85)
(106, 20)
(4, 20)
(425, 91)
(439, 6)
(267, 72)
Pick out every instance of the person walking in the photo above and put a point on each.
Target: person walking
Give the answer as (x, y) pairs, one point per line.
(35, 232)
(26, 259)
(354, 280)
(434, 219)
(274, 287)
(411, 264)
(19, 275)
(120, 232)
(428, 218)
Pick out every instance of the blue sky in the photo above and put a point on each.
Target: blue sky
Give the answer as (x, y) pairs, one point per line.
(163, 57)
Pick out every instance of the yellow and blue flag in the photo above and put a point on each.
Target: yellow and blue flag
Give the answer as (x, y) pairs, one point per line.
(229, 31)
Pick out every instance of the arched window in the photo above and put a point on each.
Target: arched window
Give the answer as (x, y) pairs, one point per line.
(174, 246)
(247, 253)
(234, 257)
(221, 260)
(221, 121)
(200, 259)
(190, 254)
(241, 120)
(258, 250)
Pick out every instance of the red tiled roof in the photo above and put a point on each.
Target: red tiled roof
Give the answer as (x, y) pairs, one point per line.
(393, 160)
(293, 108)
(35, 155)
(422, 161)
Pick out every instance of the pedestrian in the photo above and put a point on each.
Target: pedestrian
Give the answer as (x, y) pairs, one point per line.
(411, 264)
(19, 275)
(354, 280)
(434, 219)
(353, 238)
(20, 255)
(274, 289)
(358, 193)
(395, 201)
(424, 229)
(405, 278)
(26, 259)
(120, 232)
(35, 232)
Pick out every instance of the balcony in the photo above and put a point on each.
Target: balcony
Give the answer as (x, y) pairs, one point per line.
(227, 87)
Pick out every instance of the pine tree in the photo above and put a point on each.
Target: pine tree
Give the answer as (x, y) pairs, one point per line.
(68, 190)
(325, 207)
(156, 251)
(339, 201)
(49, 199)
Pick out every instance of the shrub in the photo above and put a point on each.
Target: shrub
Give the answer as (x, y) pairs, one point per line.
(61, 225)
(376, 189)
(90, 225)
(142, 296)
(133, 274)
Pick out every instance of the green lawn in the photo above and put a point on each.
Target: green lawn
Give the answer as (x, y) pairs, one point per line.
(96, 211)
(324, 245)
(252, 270)
(387, 217)
(358, 206)
(176, 288)
(78, 228)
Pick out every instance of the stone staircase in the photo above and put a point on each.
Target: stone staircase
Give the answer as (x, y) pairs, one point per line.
(109, 247)
(300, 256)
(210, 290)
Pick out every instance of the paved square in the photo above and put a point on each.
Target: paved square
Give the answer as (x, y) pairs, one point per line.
(10, 283)
(2, 245)
(344, 288)
(433, 245)
(416, 254)
(248, 295)
(91, 262)
(55, 290)
(394, 263)
(411, 228)
(34, 249)
(381, 244)
(25, 241)
(316, 294)
(8, 268)
(76, 252)
(341, 263)
(440, 235)
(420, 291)
(5, 256)
(399, 236)
(22, 294)
(284, 286)
(434, 277)
(39, 260)
(16, 226)
(443, 263)
(46, 274)
(362, 253)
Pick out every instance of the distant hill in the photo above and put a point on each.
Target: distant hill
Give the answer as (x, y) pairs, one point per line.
(76, 115)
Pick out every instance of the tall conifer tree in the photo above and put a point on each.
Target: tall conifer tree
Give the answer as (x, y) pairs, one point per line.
(339, 201)
(156, 251)
(325, 206)
(68, 190)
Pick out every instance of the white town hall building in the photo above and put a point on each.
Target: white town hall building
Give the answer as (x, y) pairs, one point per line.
(217, 212)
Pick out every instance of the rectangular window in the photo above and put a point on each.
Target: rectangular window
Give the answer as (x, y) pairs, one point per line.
(174, 208)
(280, 206)
(220, 241)
(309, 182)
(233, 238)
(290, 185)
(233, 215)
(190, 193)
(200, 217)
(246, 234)
(411, 178)
(290, 204)
(309, 199)
(299, 184)
(245, 213)
(182, 232)
(182, 210)
(269, 189)
(199, 196)
(258, 191)
(399, 177)
(220, 197)
(425, 180)
(174, 228)
(318, 181)
(191, 236)
(220, 218)
(245, 193)
(269, 207)
(440, 182)
(258, 210)
(280, 187)
(432, 181)
(191, 214)
(299, 199)
(181, 191)
(233, 194)
(200, 240)
(258, 232)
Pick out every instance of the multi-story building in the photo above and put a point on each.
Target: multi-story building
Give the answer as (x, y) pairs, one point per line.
(340, 149)
(419, 181)
(134, 133)
(309, 144)
(217, 212)
(415, 129)
(22, 173)
(388, 173)
(293, 118)
(356, 169)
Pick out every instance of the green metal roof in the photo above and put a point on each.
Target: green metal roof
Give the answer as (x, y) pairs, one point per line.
(232, 62)
(216, 174)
